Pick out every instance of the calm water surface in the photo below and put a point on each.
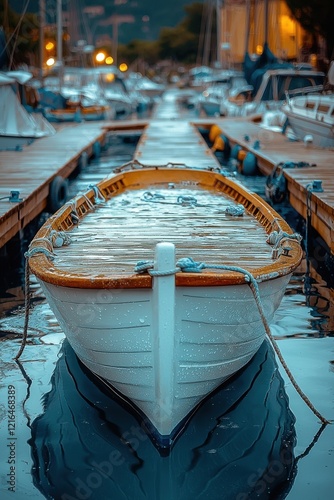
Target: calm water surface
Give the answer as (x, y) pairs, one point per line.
(64, 437)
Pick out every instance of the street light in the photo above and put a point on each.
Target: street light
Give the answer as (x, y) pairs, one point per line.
(123, 67)
(50, 62)
(100, 57)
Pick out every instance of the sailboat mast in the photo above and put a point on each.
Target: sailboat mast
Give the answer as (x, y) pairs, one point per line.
(266, 6)
(41, 37)
(248, 10)
(59, 33)
(219, 34)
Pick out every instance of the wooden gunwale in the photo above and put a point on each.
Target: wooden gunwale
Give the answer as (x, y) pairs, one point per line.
(62, 220)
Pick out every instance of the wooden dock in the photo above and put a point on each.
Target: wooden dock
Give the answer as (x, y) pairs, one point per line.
(169, 137)
(271, 148)
(174, 143)
(30, 172)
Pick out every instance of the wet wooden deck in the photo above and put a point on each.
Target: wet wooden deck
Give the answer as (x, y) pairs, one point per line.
(275, 148)
(169, 137)
(31, 171)
(170, 140)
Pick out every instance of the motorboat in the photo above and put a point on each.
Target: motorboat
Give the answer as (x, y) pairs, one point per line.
(311, 118)
(268, 90)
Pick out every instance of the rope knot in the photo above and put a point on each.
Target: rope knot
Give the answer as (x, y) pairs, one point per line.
(143, 266)
(98, 195)
(187, 200)
(188, 265)
(59, 238)
(237, 210)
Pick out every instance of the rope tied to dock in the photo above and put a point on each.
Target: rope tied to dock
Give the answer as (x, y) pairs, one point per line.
(187, 264)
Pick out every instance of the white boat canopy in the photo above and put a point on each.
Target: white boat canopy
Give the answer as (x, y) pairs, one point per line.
(15, 120)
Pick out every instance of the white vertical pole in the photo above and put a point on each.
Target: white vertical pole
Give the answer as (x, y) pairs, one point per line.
(163, 332)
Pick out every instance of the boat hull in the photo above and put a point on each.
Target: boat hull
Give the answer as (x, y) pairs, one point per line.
(322, 133)
(311, 118)
(163, 299)
(211, 334)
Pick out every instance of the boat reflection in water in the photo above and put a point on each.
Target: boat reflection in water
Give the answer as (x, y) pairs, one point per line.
(238, 445)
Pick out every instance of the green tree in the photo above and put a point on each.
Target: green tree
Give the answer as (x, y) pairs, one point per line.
(316, 17)
(178, 44)
(21, 33)
(137, 50)
(182, 43)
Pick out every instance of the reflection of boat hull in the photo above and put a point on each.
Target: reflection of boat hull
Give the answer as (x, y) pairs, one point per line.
(240, 441)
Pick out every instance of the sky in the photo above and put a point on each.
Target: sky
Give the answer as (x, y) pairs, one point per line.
(136, 19)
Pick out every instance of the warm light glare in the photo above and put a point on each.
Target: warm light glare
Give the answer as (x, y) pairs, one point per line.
(259, 50)
(109, 77)
(49, 46)
(100, 56)
(50, 61)
(288, 25)
(109, 60)
(123, 67)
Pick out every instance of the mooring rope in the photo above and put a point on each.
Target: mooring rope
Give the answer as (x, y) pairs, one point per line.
(187, 264)
(27, 298)
(57, 239)
(98, 195)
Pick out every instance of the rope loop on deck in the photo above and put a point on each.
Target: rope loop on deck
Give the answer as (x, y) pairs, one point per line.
(154, 197)
(89, 203)
(148, 266)
(186, 200)
(188, 265)
(59, 238)
(74, 212)
(277, 238)
(237, 210)
(40, 249)
(98, 195)
(35, 250)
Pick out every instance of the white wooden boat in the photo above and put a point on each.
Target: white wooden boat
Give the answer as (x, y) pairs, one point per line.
(135, 306)
(311, 118)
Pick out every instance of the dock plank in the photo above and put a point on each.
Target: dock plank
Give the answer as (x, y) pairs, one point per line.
(32, 170)
(276, 148)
